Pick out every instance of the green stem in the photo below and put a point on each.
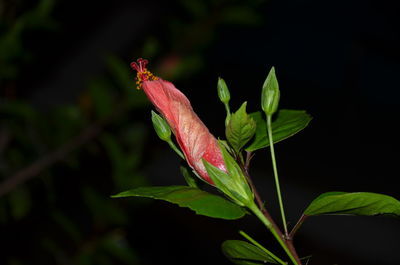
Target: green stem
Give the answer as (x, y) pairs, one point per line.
(262, 248)
(228, 113)
(275, 233)
(173, 146)
(278, 189)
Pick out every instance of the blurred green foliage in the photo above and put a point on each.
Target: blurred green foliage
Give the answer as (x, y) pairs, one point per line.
(116, 146)
(12, 50)
(87, 233)
(87, 150)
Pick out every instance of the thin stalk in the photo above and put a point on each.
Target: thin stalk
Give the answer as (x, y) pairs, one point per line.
(262, 248)
(275, 233)
(249, 156)
(245, 169)
(267, 219)
(228, 113)
(173, 146)
(297, 226)
(278, 189)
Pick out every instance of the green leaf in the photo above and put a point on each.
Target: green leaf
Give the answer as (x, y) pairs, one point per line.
(201, 202)
(355, 203)
(191, 179)
(224, 183)
(234, 183)
(243, 253)
(287, 123)
(241, 128)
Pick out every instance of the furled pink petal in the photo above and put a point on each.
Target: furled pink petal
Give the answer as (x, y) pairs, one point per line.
(192, 135)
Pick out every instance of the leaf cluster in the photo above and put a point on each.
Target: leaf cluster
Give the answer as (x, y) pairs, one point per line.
(108, 162)
(249, 133)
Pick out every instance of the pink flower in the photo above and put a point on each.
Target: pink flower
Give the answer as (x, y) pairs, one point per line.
(192, 135)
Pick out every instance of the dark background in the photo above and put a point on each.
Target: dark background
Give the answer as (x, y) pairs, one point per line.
(66, 69)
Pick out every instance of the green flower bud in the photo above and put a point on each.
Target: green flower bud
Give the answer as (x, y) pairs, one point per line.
(270, 93)
(161, 127)
(223, 91)
(232, 180)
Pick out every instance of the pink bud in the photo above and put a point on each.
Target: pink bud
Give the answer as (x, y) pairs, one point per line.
(192, 135)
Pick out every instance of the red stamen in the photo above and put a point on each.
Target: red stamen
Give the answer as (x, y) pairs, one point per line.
(140, 66)
(135, 66)
(142, 73)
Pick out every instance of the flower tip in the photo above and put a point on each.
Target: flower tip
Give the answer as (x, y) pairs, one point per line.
(140, 65)
(142, 73)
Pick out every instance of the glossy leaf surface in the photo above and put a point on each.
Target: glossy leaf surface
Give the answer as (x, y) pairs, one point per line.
(241, 128)
(354, 203)
(286, 124)
(233, 183)
(201, 202)
(243, 253)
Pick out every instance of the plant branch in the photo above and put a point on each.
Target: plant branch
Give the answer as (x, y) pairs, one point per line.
(278, 189)
(249, 156)
(266, 218)
(297, 226)
(286, 244)
(245, 169)
(176, 149)
(48, 160)
(261, 247)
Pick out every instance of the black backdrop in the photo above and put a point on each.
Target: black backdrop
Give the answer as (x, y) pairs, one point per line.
(339, 60)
